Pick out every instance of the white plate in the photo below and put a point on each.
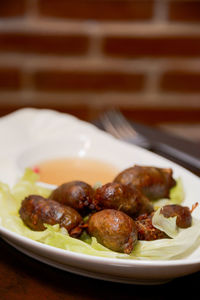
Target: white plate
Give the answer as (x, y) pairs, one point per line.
(30, 135)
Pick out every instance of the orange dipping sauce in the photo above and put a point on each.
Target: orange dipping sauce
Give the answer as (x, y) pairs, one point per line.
(58, 171)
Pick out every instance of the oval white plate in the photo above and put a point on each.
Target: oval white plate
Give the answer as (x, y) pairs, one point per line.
(30, 135)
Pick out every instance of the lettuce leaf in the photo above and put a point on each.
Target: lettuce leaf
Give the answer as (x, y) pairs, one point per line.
(177, 194)
(62, 240)
(10, 201)
(168, 225)
(181, 242)
(175, 248)
(27, 185)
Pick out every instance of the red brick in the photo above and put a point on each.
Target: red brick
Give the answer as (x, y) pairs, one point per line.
(87, 81)
(12, 8)
(97, 10)
(44, 44)
(161, 115)
(146, 115)
(152, 46)
(10, 79)
(80, 111)
(179, 81)
(184, 11)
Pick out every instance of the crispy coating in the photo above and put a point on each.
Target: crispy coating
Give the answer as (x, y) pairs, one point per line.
(36, 210)
(113, 229)
(120, 197)
(146, 231)
(76, 194)
(183, 214)
(153, 182)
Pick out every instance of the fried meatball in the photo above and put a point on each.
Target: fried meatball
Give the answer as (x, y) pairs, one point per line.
(183, 214)
(113, 229)
(146, 230)
(120, 197)
(76, 194)
(36, 210)
(154, 183)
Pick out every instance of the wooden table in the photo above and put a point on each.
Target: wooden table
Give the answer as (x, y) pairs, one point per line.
(24, 278)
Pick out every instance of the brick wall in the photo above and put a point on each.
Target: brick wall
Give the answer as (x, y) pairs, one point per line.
(83, 56)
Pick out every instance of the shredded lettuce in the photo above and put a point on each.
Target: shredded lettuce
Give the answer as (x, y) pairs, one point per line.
(180, 243)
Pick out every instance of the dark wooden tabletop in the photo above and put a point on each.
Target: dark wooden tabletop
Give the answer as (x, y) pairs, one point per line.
(22, 277)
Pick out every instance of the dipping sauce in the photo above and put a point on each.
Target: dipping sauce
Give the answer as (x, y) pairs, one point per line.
(58, 171)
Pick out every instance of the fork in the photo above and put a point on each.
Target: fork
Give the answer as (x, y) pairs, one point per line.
(117, 125)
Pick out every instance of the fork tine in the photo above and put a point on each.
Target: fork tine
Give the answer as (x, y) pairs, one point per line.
(109, 126)
(116, 124)
(119, 126)
(122, 124)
